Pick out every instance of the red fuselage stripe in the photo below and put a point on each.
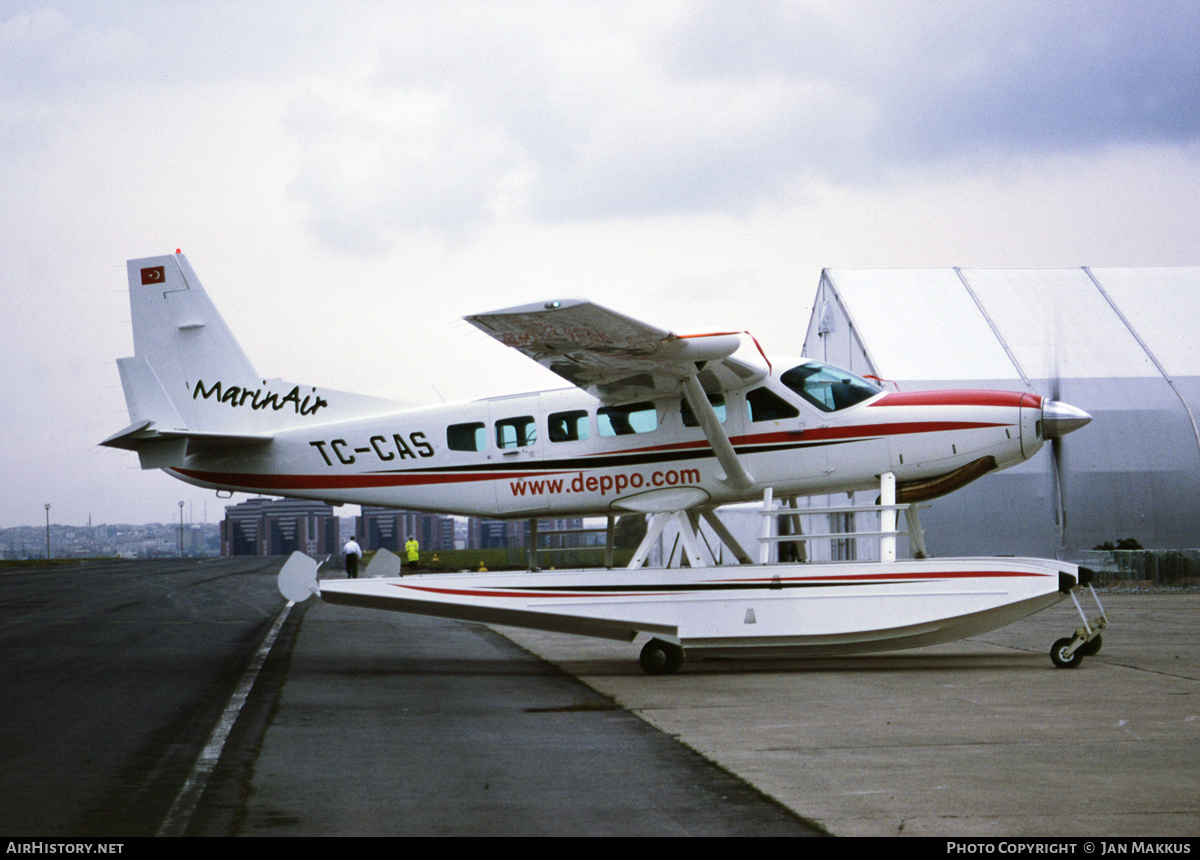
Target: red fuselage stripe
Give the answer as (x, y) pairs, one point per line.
(343, 482)
(960, 398)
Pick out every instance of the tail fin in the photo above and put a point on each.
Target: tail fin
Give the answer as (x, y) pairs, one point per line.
(189, 386)
(180, 342)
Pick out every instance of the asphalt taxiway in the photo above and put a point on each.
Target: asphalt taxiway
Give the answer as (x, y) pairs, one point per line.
(390, 725)
(114, 673)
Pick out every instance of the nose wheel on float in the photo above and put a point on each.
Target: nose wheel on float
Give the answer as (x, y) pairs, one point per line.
(1069, 652)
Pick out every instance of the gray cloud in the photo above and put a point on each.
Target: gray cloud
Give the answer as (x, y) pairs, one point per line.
(721, 106)
(943, 78)
(441, 119)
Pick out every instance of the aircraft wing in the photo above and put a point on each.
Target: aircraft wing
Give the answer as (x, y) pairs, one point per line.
(617, 358)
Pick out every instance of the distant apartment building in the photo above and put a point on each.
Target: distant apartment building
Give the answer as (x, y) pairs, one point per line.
(280, 527)
(487, 534)
(390, 529)
(562, 533)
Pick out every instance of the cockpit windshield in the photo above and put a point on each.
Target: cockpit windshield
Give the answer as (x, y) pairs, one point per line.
(828, 388)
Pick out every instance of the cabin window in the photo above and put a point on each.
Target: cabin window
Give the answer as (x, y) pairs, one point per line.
(828, 388)
(626, 420)
(763, 404)
(516, 432)
(568, 426)
(690, 420)
(466, 437)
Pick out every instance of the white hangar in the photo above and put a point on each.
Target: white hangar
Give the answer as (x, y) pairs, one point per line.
(1120, 344)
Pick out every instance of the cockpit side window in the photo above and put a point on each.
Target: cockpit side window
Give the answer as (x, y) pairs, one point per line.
(828, 388)
(763, 404)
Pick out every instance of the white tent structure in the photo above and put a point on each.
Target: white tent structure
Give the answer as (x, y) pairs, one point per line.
(1120, 344)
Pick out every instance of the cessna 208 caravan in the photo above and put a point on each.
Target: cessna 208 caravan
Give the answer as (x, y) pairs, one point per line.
(654, 423)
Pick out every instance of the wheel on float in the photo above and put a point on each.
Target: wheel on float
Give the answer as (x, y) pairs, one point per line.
(1092, 646)
(1062, 659)
(661, 658)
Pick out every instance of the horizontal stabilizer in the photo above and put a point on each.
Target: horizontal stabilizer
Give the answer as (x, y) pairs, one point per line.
(138, 435)
(129, 437)
(160, 449)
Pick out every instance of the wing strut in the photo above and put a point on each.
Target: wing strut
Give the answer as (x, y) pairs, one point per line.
(736, 477)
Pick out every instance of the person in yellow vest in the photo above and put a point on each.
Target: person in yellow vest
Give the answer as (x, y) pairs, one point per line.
(414, 551)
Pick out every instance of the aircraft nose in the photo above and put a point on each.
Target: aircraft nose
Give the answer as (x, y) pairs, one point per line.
(1059, 419)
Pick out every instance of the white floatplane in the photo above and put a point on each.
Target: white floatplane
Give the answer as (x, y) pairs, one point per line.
(669, 426)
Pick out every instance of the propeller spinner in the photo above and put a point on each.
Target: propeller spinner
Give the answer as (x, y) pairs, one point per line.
(1059, 419)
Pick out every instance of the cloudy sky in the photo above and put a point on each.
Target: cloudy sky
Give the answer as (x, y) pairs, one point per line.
(349, 180)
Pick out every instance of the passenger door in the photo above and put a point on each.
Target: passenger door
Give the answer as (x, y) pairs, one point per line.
(515, 445)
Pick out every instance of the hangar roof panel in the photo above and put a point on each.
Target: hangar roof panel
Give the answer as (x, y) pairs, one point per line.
(1057, 324)
(1160, 305)
(920, 323)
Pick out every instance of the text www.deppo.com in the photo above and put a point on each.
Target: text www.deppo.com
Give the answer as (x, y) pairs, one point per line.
(605, 484)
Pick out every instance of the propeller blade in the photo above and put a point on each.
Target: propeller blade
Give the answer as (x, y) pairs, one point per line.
(1060, 511)
(1059, 419)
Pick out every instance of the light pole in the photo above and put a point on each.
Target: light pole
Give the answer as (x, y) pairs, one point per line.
(47, 531)
(181, 529)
